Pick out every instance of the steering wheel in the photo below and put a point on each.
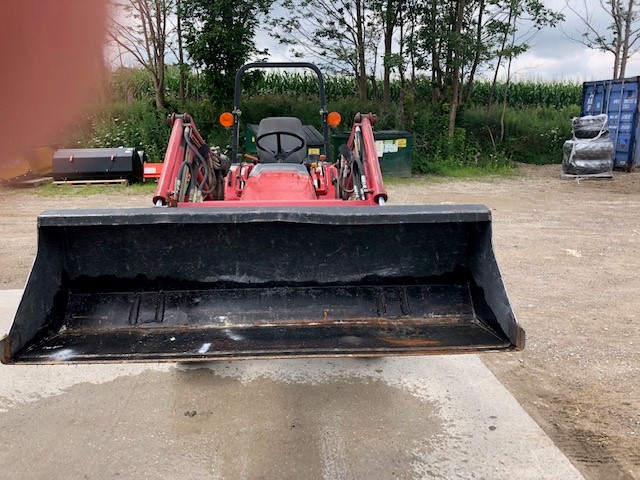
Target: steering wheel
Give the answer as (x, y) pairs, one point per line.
(280, 154)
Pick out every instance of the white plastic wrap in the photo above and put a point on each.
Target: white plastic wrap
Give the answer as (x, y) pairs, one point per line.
(588, 157)
(590, 126)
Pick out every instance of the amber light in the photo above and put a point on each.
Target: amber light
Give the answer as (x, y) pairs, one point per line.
(226, 120)
(334, 119)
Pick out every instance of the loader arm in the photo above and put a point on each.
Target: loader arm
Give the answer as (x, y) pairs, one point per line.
(362, 151)
(191, 170)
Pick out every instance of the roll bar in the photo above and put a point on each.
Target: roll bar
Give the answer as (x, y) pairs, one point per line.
(238, 93)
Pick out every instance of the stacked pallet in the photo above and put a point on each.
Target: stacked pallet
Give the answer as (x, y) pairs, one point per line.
(590, 152)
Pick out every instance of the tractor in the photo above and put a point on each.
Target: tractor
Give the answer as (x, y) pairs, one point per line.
(285, 253)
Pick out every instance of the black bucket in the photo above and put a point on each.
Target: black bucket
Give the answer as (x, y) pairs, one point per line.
(204, 284)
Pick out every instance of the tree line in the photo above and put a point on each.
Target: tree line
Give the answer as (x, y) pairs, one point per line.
(448, 41)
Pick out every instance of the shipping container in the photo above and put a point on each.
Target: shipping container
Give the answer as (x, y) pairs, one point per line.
(619, 100)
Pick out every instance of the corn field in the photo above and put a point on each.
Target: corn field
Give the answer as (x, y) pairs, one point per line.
(529, 94)
(519, 94)
(135, 84)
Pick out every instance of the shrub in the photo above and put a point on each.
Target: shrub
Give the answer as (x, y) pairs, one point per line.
(532, 135)
(138, 125)
(536, 123)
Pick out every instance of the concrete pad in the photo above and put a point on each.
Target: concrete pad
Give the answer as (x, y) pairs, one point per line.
(409, 417)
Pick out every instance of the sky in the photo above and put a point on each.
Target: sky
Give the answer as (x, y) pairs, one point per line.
(552, 55)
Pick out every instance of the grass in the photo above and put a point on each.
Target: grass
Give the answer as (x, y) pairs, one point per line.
(52, 190)
(443, 173)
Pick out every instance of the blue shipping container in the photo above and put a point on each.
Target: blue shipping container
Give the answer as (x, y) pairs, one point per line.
(618, 99)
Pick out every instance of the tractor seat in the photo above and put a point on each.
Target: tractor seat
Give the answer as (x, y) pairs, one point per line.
(281, 124)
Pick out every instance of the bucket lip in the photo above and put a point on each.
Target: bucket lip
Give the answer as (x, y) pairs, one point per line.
(354, 215)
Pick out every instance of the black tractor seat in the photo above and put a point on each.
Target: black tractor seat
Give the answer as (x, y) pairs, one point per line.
(287, 142)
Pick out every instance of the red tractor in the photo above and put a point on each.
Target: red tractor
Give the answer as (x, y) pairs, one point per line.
(283, 254)
(282, 174)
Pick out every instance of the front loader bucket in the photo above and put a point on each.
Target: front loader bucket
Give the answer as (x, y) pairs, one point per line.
(167, 284)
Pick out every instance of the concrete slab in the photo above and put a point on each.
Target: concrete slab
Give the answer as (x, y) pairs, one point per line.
(412, 417)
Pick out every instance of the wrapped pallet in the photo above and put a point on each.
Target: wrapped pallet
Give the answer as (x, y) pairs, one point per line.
(590, 152)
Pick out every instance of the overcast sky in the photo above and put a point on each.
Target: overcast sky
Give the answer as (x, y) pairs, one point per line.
(552, 56)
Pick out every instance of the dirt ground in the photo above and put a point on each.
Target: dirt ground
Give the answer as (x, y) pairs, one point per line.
(570, 256)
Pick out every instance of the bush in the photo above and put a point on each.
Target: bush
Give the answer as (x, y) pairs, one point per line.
(532, 135)
(536, 124)
(457, 155)
(138, 125)
(304, 107)
(537, 135)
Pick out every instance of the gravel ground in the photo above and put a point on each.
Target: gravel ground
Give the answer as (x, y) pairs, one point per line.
(570, 256)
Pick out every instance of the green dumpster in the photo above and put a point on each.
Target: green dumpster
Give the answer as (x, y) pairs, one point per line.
(394, 149)
(337, 139)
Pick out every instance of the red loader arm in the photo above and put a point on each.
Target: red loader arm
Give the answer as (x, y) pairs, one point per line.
(192, 171)
(362, 171)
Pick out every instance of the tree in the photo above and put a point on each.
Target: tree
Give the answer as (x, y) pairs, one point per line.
(455, 81)
(479, 48)
(620, 38)
(525, 19)
(390, 14)
(139, 28)
(431, 44)
(408, 42)
(443, 42)
(341, 35)
(521, 21)
(457, 37)
(181, 65)
(219, 36)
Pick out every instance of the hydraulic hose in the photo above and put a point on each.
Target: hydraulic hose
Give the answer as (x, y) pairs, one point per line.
(181, 169)
(200, 159)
